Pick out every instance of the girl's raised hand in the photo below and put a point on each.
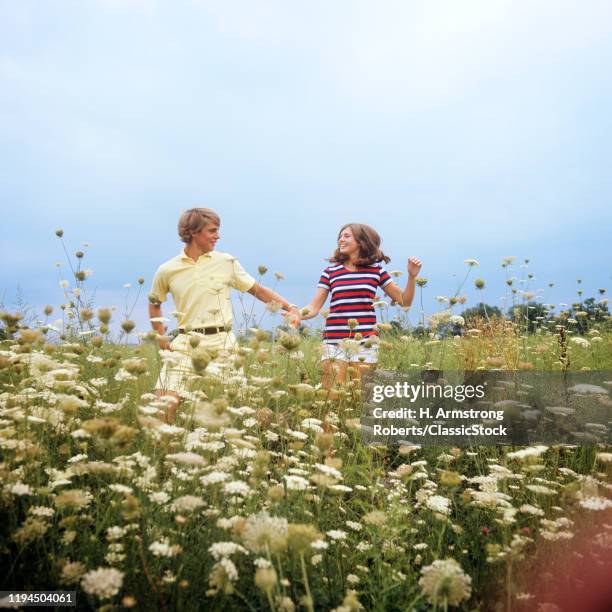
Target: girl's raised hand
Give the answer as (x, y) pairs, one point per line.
(414, 266)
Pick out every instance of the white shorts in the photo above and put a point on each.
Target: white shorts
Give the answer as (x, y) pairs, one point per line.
(360, 355)
(177, 369)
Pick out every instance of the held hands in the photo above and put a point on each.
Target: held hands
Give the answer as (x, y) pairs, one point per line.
(414, 267)
(164, 344)
(292, 317)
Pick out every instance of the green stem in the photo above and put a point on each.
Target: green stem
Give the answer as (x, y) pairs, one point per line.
(280, 570)
(129, 314)
(508, 585)
(414, 601)
(439, 546)
(309, 602)
(245, 600)
(422, 309)
(463, 282)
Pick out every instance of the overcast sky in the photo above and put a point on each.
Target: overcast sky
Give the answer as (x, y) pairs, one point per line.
(475, 129)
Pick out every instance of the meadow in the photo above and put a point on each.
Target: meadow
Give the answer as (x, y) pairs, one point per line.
(261, 494)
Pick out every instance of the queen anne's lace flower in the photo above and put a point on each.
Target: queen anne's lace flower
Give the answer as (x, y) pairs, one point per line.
(439, 504)
(596, 503)
(296, 483)
(225, 549)
(445, 581)
(104, 582)
(263, 532)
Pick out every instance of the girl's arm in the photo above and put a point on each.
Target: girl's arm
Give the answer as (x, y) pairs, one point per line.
(312, 310)
(405, 297)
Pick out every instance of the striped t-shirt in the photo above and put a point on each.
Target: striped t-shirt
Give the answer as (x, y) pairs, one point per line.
(352, 297)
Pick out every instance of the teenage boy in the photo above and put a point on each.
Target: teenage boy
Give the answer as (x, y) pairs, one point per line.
(199, 279)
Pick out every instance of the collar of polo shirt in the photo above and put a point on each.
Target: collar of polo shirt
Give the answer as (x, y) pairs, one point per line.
(184, 255)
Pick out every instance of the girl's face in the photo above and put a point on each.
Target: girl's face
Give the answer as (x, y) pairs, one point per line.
(347, 245)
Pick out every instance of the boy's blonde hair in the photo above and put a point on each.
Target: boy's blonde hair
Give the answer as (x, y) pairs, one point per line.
(193, 220)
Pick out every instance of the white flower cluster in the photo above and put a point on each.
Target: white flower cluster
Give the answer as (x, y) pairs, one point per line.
(295, 483)
(524, 453)
(439, 504)
(163, 548)
(226, 549)
(104, 582)
(445, 583)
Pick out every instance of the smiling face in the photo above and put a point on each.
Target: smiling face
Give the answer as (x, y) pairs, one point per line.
(206, 238)
(347, 245)
(358, 245)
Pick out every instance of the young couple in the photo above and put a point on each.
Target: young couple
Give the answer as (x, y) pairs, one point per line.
(199, 279)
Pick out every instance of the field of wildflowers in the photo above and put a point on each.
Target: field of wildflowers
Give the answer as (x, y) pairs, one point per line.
(261, 495)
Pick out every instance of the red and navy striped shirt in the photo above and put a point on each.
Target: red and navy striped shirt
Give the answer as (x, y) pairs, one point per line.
(352, 297)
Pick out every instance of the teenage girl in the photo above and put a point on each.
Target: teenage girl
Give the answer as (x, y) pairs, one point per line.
(353, 277)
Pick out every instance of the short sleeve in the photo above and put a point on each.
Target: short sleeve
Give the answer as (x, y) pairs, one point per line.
(384, 277)
(241, 279)
(324, 281)
(160, 288)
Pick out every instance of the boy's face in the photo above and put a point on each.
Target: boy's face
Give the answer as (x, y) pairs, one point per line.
(207, 237)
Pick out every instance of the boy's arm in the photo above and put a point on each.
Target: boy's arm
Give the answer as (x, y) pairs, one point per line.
(155, 312)
(266, 295)
(158, 294)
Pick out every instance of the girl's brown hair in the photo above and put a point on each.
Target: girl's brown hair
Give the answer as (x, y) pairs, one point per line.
(369, 245)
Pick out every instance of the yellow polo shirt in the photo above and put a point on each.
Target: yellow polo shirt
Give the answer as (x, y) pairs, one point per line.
(201, 289)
